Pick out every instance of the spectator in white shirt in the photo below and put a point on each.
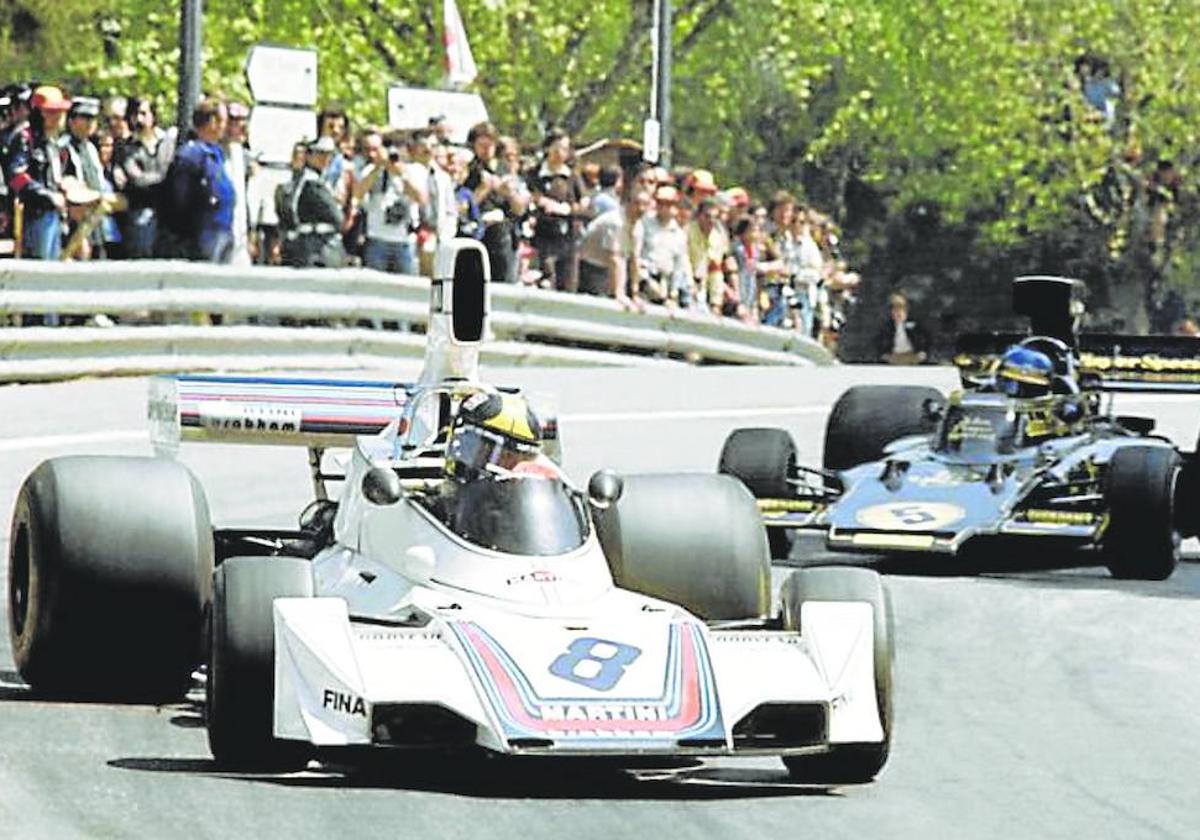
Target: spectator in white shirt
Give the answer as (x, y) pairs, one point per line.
(390, 195)
(665, 272)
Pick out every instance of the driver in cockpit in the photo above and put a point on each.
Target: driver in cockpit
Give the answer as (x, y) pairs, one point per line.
(1028, 374)
(501, 491)
(496, 436)
(1024, 373)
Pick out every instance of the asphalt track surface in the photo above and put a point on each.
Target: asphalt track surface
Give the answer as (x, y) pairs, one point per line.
(1031, 702)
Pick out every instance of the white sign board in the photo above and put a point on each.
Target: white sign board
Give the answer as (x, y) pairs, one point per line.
(410, 108)
(651, 136)
(273, 131)
(282, 75)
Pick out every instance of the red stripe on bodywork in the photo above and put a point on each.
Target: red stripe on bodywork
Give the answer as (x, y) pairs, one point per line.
(688, 715)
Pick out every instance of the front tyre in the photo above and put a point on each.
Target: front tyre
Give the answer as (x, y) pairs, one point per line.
(692, 539)
(110, 575)
(1141, 542)
(846, 763)
(867, 418)
(241, 668)
(764, 460)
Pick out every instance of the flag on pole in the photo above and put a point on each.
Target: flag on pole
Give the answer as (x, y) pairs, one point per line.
(460, 64)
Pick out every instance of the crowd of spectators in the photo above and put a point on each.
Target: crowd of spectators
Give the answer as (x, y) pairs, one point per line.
(91, 180)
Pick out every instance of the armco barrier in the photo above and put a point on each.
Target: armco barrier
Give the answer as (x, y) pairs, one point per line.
(530, 326)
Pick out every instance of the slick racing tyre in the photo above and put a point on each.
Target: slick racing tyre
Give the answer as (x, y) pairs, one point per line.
(109, 578)
(691, 539)
(763, 460)
(867, 418)
(240, 693)
(1141, 542)
(846, 763)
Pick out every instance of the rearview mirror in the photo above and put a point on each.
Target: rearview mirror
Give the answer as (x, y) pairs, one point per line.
(382, 486)
(604, 489)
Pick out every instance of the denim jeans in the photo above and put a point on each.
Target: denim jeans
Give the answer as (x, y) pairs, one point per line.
(140, 234)
(748, 290)
(803, 310)
(214, 245)
(42, 239)
(777, 308)
(394, 257)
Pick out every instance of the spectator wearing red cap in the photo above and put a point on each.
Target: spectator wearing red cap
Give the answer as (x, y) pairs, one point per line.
(35, 171)
(708, 249)
(700, 184)
(736, 202)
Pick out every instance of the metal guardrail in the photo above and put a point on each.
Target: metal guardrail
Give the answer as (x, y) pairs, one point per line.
(530, 326)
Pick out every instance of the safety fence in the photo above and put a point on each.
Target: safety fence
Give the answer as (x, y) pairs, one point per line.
(276, 318)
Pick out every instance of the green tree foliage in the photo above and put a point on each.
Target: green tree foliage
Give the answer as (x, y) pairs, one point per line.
(969, 111)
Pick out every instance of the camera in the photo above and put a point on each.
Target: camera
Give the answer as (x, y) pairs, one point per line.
(393, 154)
(396, 213)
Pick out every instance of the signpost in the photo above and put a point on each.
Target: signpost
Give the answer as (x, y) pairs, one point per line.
(283, 82)
(409, 108)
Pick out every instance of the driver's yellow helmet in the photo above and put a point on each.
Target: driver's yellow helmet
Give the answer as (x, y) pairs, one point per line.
(492, 430)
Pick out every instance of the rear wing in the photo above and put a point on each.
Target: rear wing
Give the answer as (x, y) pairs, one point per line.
(330, 413)
(1135, 363)
(313, 413)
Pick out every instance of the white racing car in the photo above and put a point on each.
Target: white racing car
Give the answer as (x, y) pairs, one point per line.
(461, 593)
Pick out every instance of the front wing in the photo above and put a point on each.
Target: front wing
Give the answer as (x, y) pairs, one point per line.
(927, 527)
(464, 683)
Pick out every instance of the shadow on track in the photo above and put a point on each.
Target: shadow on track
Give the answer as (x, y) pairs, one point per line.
(508, 778)
(190, 709)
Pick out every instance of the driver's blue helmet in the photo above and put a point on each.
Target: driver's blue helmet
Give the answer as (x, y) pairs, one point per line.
(1024, 373)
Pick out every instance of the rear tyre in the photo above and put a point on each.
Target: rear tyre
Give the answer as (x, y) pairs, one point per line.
(1141, 542)
(110, 575)
(763, 460)
(692, 539)
(241, 668)
(846, 763)
(867, 418)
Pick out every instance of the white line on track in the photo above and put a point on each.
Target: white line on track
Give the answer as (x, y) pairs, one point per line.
(694, 414)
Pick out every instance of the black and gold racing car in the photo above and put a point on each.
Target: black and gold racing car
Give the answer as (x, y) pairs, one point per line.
(909, 470)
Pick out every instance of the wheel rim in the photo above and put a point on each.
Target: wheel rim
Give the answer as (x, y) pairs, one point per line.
(18, 579)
